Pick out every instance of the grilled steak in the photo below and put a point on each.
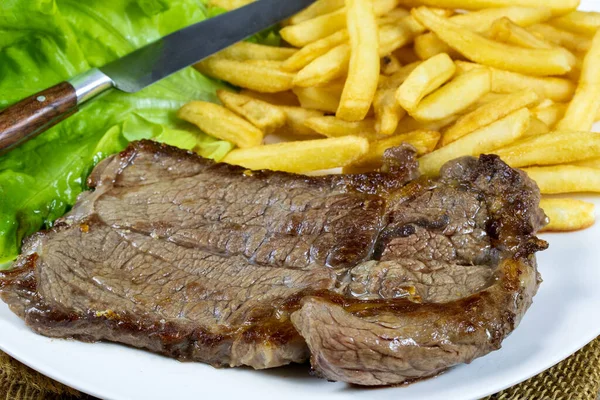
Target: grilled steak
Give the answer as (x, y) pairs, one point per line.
(379, 278)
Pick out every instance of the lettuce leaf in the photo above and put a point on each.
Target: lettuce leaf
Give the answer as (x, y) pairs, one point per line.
(43, 42)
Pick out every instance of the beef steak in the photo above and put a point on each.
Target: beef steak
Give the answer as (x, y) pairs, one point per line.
(379, 278)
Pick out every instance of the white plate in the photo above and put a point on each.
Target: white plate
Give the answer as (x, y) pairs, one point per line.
(563, 318)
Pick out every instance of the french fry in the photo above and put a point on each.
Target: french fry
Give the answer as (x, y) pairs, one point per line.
(480, 21)
(568, 40)
(296, 118)
(429, 45)
(221, 123)
(555, 61)
(325, 68)
(580, 22)
(504, 30)
(317, 9)
(558, 7)
(325, 98)
(393, 17)
(486, 139)
(560, 147)
(567, 215)
(423, 141)
(536, 128)
(243, 51)
(230, 4)
(331, 126)
(488, 113)
(555, 89)
(254, 77)
(387, 111)
(454, 97)
(397, 35)
(311, 30)
(424, 79)
(390, 64)
(309, 53)
(590, 163)
(301, 156)
(582, 110)
(264, 116)
(272, 64)
(550, 114)
(363, 73)
(565, 179)
(409, 124)
(287, 98)
(314, 29)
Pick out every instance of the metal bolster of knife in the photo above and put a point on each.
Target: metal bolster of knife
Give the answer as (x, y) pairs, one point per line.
(90, 84)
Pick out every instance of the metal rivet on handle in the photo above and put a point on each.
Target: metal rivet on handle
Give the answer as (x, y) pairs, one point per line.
(41, 98)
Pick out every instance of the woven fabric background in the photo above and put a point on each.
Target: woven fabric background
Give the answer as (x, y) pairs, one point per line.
(578, 377)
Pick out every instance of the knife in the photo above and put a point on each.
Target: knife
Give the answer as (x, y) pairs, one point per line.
(31, 116)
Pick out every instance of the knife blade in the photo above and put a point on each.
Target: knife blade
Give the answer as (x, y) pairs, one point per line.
(141, 68)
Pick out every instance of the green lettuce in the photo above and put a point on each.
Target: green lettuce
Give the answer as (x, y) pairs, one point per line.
(43, 42)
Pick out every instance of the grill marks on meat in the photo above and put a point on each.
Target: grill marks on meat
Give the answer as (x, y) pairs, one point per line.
(379, 278)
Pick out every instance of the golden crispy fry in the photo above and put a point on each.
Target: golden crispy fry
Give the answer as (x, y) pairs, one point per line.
(582, 110)
(486, 139)
(430, 45)
(272, 64)
(325, 98)
(454, 97)
(317, 9)
(287, 98)
(568, 215)
(296, 118)
(314, 29)
(423, 141)
(488, 113)
(265, 116)
(230, 4)
(331, 126)
(252, 51)
(308, 53)
(552, 148)
(387, 111)
(301, 156)
(558, 7)
(311, 30)
(325, 68)
(221, 123)
(363, 73)
(409, 124)
(504, 30)
(581, 22)
(480, 21)
(254, 77)
(426, 77)
(591, 163)
(555, 61)
(568, 40)
(390, 65)
(555, 89)
(565, 179)
(397, 35)
(550, 114)
(536, 128)
(393, 17)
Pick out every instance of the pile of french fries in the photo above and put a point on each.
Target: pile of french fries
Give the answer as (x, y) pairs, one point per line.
(518, 78)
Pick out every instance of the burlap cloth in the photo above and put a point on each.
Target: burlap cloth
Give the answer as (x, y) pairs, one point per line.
(578, 377)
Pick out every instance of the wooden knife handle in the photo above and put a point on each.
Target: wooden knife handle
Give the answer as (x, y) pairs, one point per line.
(31, 116)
